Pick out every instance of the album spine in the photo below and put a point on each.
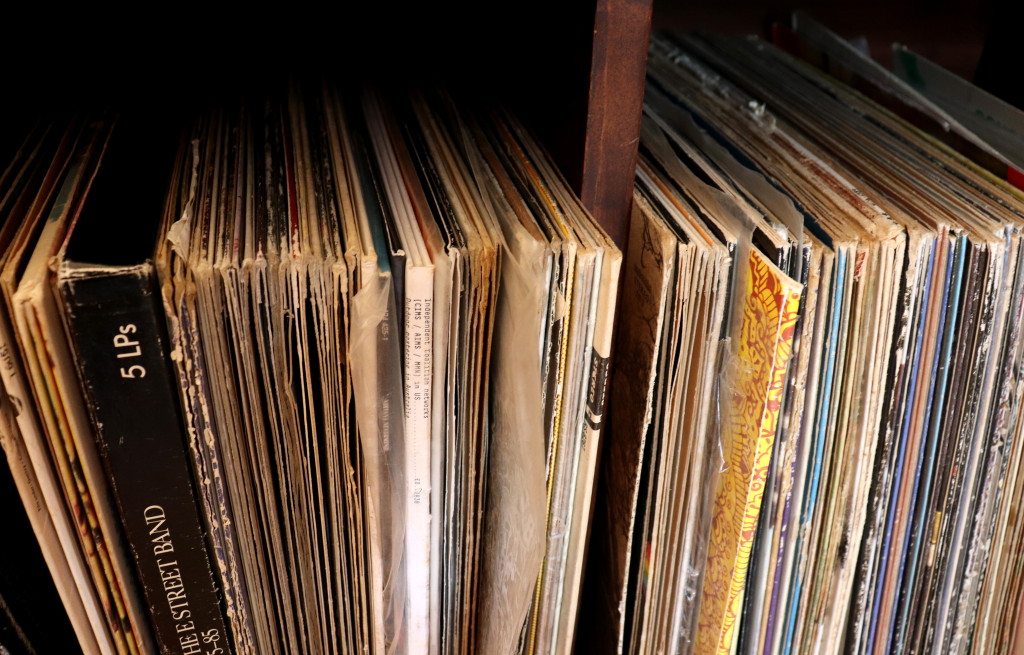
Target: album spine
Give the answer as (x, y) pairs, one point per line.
(115, 326)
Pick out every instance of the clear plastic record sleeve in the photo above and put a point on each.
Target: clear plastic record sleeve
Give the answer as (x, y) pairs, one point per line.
(375, 360)
(587, 417)
(581, 305)
(692, 436)
(513, 528)
(415, 308)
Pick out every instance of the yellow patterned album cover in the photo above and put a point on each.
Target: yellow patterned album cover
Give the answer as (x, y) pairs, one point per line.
(755, 387)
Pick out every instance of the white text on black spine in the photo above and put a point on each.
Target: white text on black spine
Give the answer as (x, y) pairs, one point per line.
(174, 586)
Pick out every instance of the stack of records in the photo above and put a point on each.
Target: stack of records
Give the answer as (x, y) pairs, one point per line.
(376, 302)
(59, 474)
(337, 386)
(839, 297)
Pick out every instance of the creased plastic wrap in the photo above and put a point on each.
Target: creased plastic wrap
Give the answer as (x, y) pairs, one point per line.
(717, 443)
(714, 372)
(515, 520)
(755, 379)
(375, 357)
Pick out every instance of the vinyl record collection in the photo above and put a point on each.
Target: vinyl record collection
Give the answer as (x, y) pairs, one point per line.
(375, 331)
(329, 369)
(855, 487)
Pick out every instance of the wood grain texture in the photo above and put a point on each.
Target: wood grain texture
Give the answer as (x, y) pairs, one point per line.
(621, 33)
